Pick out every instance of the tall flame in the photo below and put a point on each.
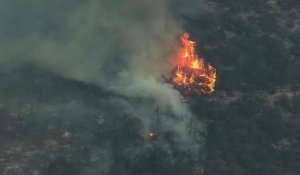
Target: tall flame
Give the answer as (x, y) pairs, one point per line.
(192, 75)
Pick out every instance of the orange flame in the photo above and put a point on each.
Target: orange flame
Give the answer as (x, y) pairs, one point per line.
(193, 75)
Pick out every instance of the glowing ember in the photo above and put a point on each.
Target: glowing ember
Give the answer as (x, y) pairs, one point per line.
(193, 75)
(151, 134)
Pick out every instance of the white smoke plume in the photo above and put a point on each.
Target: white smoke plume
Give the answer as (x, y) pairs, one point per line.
(123, 46)
(97, 42)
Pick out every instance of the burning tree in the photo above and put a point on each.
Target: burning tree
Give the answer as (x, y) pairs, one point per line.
(192, 75)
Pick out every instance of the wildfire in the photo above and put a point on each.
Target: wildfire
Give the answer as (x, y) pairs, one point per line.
(151, 135)
(192, 75)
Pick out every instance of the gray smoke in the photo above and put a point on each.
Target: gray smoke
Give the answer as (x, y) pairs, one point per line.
(123, 46)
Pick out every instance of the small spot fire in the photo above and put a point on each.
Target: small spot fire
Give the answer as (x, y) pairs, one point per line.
(151, 135)
(192, 75)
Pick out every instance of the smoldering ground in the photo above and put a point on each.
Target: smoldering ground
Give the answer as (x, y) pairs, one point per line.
(120, 46)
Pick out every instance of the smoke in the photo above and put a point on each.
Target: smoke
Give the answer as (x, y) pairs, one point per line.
(123, 46)
(95, 42)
